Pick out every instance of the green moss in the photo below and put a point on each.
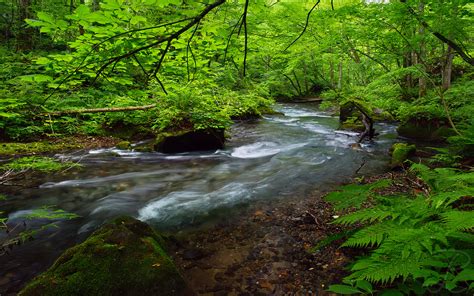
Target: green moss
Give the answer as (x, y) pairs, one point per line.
(124, 145)
(36, 147)
(124, 257)
(401, 152)
(43, 164)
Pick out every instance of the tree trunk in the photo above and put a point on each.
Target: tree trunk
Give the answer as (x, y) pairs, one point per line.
(95, 5)
(81, 28)
(331, 74)
(24, 38)
(421, 56)
(339, 80)
(448, 68)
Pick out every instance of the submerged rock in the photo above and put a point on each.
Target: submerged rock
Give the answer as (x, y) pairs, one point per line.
(400, 153)
(186, 141)
(124, 257)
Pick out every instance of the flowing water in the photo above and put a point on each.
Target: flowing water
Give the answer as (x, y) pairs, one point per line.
(277, 157)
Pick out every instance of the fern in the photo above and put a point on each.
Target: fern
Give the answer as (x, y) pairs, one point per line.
(354, 195)
(417, 241)
(458, 220)
(370, 236)
(367, 215)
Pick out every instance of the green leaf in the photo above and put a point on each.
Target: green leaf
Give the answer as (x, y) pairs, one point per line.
(467, 275)
(365, 285)
(43, 61)
(45, 17)
(137, 19)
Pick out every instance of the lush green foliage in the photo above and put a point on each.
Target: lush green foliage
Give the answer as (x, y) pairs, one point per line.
(418, 243)
(377, 54)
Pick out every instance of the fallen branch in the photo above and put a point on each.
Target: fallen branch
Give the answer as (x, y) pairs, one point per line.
(99, 110)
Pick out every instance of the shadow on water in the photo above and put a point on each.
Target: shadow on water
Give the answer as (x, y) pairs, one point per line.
(277, 157)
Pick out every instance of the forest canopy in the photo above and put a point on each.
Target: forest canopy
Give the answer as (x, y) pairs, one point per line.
(203, 63)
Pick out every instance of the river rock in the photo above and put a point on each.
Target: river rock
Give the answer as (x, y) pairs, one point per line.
(124, 145)
(400, 153)
(124, 257)
(186, 141)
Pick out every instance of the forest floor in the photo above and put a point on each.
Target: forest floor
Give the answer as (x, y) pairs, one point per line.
(268, 249)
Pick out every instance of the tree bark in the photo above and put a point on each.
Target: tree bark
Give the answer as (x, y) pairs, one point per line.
(421, 55)
(331, 74)
(24, 38)
(339, 80)
(447, 69)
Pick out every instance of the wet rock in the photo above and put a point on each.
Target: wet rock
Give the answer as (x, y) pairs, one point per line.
(124, 257)
(400, 153)
(199, 140)
(194, 254)
(124, 145)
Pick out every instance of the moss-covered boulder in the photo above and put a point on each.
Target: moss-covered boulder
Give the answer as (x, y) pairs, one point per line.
(124, 257)
(124, 145)
(186, 141)
(400, 153)
(426, 130)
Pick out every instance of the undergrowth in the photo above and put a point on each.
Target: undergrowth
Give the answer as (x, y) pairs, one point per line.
(417, 243)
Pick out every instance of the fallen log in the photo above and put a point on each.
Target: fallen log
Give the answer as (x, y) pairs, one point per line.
(99, 110)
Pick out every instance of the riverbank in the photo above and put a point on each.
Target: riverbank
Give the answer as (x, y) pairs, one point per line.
(272, 249)
(50, 145)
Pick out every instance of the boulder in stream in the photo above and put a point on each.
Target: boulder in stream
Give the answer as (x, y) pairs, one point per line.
(400, 153)
(186, 141)
(124, 257)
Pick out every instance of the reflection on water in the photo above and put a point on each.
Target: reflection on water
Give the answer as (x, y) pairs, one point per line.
(278, 156)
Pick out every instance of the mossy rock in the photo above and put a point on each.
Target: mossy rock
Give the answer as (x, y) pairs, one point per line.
(187, 141)
(124, 145)
(36, 147)
(352, 126)
(124, 257)
(148, 147)
(426, 130)
(400, 153)
(348, 111)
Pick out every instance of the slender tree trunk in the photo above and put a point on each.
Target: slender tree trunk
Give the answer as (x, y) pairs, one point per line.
(95, 5)
(422, 79)
(331, 74)
(298, 84)
(24, 38)
(81, 28)
(305, 75)
(339, 80)
(448, 68)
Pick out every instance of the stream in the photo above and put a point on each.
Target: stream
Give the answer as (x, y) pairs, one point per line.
(276, 158)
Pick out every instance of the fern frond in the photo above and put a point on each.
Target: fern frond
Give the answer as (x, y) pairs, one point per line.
(367, 215)
(444, 199)
(458, 220)
(385, 269)
(370, 236)
(353, 195)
